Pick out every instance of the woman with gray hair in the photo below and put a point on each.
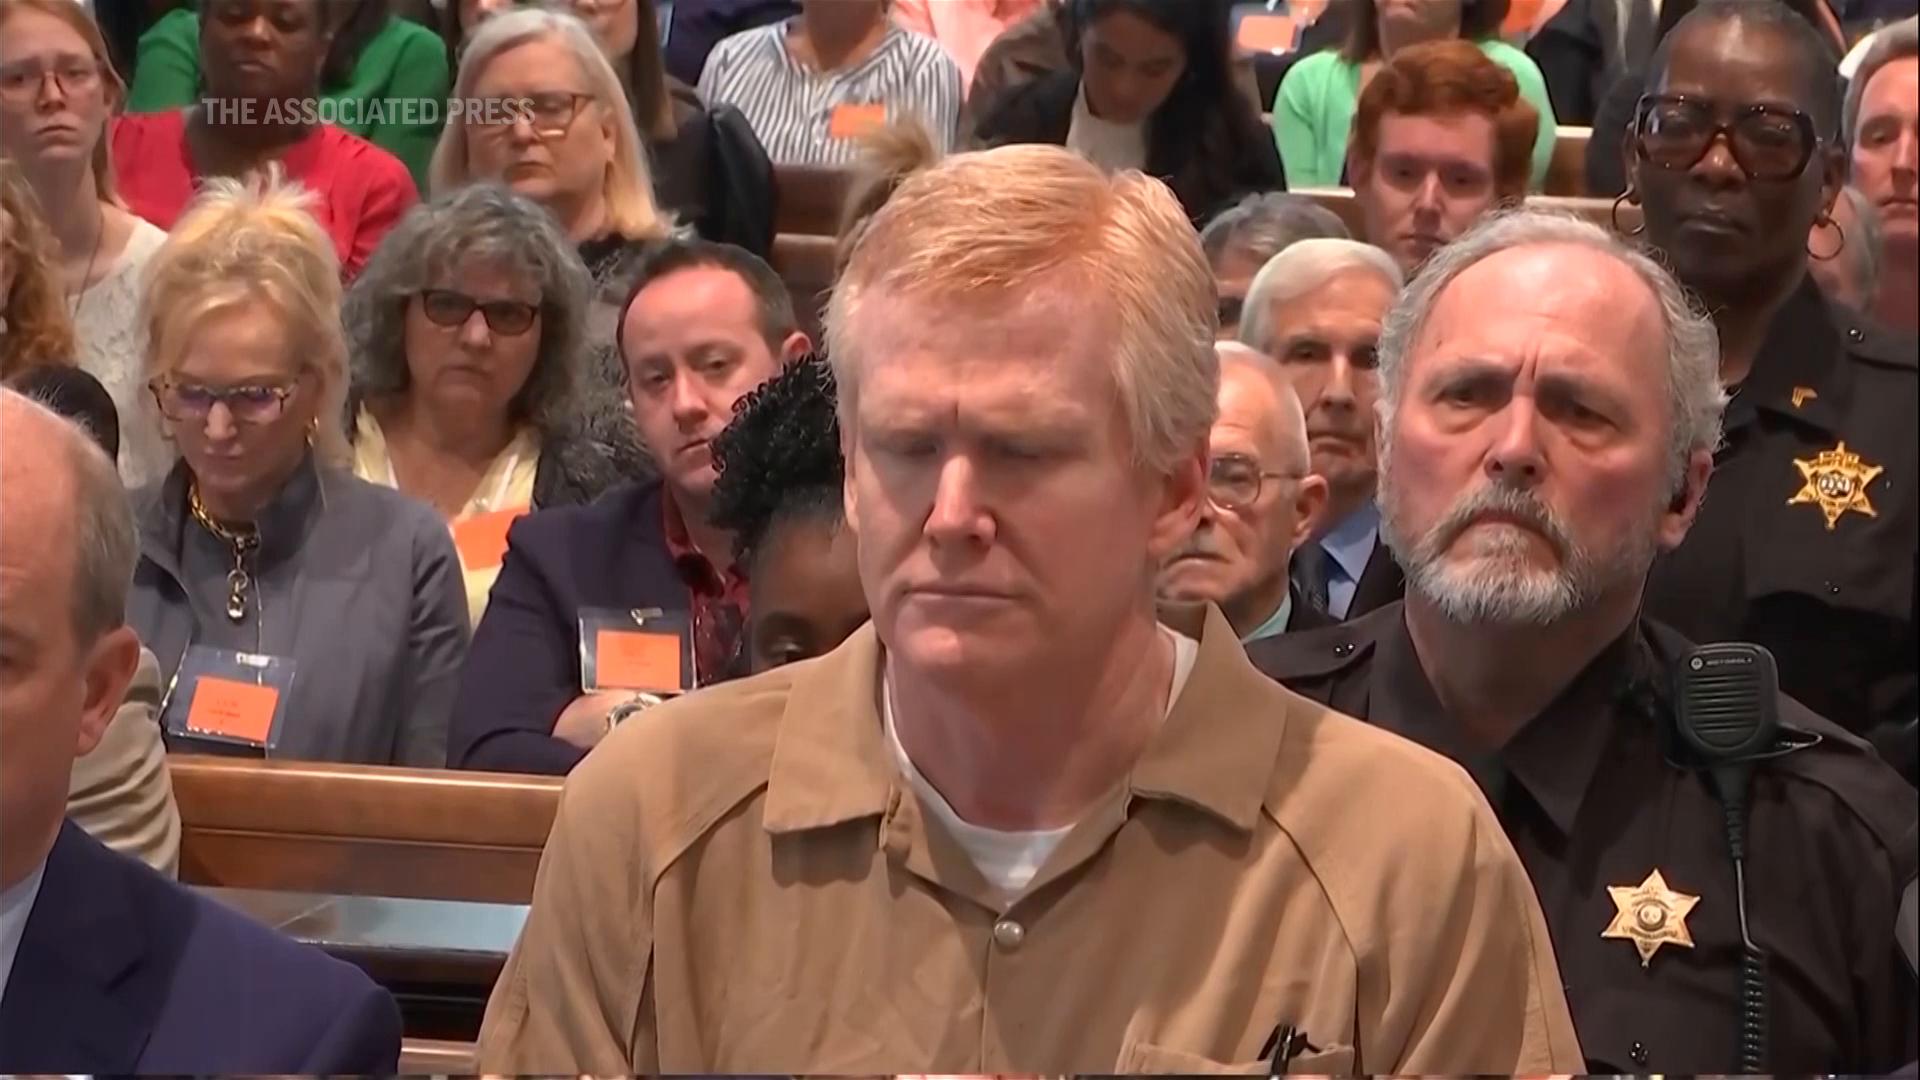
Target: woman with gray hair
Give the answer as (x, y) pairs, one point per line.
(470, 389)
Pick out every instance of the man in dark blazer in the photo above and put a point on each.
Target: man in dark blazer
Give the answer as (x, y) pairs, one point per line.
(105, 966)
(704, 324)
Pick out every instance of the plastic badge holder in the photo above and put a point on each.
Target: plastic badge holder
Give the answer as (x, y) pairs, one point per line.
(228, 698)
(644, 650)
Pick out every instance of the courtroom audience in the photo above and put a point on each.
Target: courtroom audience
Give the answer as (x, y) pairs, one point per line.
(1882, 129)
(1316, 309)
(1314, 110)
(1550, 413)
(1440, 138)
(385, 77)
(1239, 241)
(813, 84)
(1844, 252)
(1263, 501)
(1151, 87)
(121, 793)
(1016, 768)
(105, 965)
(57, 94)
(256, 67)
(708, 168)
(778, 480)
(964, 28)
(1023, 52)
(35, 328)
(471, 381)
(1808, 543)
(260, 542)
(704, 325)
(1585, 45)
(557, 129)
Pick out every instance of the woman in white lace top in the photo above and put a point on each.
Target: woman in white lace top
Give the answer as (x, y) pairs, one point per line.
(57, 93)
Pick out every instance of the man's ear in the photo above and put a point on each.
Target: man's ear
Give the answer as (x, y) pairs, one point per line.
(1183, 493)
(796, 346)
(109, 670)
(1309, 509)
(1677, 520)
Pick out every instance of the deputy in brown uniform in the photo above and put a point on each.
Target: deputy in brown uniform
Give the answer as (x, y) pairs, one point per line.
(1016, 825)
(1531, 466)
(1809, 543)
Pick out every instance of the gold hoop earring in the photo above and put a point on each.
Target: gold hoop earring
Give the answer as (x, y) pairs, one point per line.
(1627, 196)
(1827, 223)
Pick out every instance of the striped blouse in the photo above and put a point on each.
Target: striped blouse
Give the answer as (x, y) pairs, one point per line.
(812, 118)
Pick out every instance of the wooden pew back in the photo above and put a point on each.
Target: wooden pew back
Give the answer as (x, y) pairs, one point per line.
(1599, 211)
(361, 830)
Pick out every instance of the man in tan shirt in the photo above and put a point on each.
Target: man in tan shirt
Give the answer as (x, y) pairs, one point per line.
(1015, 824)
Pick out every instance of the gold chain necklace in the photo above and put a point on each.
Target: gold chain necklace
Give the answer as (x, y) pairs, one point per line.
(244, 541)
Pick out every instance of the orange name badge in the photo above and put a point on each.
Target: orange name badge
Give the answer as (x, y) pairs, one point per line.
(1260, 33)
(853, 121)
(233, 709)
(482, 538)
(638, 660)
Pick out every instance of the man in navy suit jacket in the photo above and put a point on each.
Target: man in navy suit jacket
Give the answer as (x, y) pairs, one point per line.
(105, 966)
(705, 323)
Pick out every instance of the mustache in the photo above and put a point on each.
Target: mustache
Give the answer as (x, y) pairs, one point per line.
(1516, 504)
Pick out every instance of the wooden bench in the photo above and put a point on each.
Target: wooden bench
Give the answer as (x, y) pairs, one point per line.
(1599, 211)
(808, 199)
(358, 830)
(436, 1057)
(1567, 174)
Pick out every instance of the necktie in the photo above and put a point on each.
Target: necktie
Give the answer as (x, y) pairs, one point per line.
(1309, 573)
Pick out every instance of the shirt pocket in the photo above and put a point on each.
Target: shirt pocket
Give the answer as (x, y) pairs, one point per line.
(1140, 1058)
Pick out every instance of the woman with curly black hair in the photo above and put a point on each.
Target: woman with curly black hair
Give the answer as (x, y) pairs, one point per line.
(778, 492)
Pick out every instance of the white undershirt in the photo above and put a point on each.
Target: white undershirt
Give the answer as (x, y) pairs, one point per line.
(1107, 144)
(1009, 859)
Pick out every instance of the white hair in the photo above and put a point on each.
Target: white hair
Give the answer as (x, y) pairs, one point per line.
(105, 543)
(1896, 41)
(1697, 400)
(1290, 419)
(1303, 267)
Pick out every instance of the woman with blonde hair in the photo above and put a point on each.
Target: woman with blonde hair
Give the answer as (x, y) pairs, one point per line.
(544, 112)
(58, 91)
(34, 328)
(263, 560)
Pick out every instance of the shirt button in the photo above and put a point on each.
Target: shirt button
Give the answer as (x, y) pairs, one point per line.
(1638, 1053)
(1345, 648)
(1009, 934)
(1856, 335)
(1832, 589)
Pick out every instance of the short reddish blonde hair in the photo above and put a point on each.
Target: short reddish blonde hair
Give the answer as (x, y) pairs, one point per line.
(1452, 76)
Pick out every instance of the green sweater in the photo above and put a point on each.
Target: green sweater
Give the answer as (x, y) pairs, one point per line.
(1313, 114)
(396, 97)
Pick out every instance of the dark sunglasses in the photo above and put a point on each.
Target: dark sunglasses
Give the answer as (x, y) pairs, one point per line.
(445, 307)
(1674, 132)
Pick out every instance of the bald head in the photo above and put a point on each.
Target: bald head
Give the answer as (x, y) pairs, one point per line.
(1255, 394)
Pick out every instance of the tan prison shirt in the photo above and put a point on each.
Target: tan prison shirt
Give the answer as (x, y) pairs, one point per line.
(741, 882)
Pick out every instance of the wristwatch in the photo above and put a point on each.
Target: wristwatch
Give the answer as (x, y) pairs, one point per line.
(634, 704)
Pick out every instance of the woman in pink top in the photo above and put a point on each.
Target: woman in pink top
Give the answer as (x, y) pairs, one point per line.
(260, 65)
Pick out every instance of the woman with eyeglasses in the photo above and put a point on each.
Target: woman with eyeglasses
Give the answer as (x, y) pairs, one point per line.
(1809, 540)
(57, 94)
(259, 105)
(468, 338)
(385, 76)
(549, 119)
(322, 617)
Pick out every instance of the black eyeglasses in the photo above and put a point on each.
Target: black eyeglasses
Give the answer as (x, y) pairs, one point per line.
(1234, 480)
(445, 307)
(191, 402)
(1769, 143)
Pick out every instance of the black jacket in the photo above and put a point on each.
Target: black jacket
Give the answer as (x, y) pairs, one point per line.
(1208, 169)
(714, 175)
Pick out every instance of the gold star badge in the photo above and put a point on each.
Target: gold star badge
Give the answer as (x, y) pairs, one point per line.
(1836, 480)
(1650, 915)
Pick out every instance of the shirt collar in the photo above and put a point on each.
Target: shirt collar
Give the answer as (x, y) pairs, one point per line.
(1215, 753)
(1797, 373)
(696, 570)
(284, 523)
(16, 906)
(1554, 757)
(1276, 623)
(1350, 542)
